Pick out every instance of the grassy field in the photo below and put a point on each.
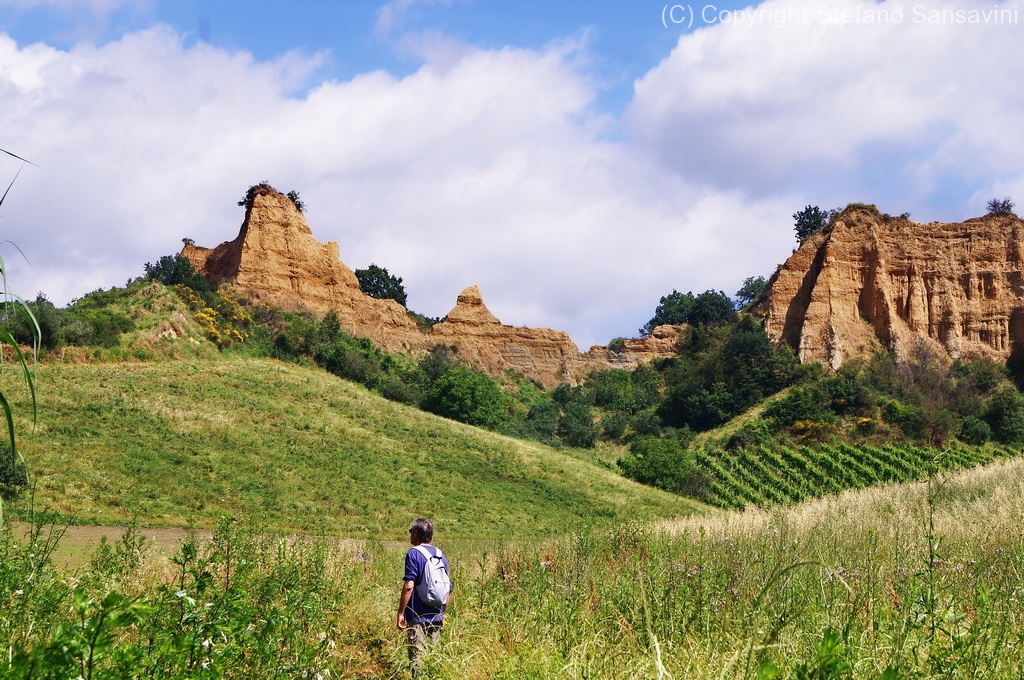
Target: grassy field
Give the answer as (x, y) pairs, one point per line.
(296, 449)
(912, 581)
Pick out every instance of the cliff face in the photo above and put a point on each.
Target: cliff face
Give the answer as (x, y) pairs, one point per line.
(276, 260)
(874, 280)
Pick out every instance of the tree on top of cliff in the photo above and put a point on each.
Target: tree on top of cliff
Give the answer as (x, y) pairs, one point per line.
(710, 307)
(1000, 206)
(672, 309)
(811, 220)
(378, 283)
(262, 189)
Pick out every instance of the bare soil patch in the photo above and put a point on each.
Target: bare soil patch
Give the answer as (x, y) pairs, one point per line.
(78, 543)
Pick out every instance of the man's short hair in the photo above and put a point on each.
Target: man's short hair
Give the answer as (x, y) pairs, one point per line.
(424, 529)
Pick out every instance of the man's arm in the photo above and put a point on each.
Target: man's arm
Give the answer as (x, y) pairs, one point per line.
(403, 602)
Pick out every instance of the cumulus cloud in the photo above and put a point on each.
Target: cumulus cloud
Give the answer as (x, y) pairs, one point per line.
(885, 102)
(492, 170)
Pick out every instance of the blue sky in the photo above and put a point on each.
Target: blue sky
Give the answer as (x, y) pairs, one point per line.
(577, 160)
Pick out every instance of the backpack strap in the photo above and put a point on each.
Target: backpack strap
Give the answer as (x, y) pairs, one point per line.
(426, 553)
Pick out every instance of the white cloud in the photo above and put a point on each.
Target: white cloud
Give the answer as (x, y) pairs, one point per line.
(854, 105)
(491, 170)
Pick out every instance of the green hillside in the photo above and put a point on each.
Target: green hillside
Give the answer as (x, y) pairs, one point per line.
(297, 449)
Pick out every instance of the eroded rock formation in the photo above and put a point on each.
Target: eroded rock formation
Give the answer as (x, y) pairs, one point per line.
(876, 280)
(276, 260)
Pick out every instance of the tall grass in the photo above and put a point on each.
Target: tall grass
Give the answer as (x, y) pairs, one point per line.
(915, 581)
(13, 469)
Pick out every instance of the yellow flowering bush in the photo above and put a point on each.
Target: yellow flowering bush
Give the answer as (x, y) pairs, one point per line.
(223, 319)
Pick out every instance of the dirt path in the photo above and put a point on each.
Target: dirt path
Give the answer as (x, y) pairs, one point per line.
(78, 543)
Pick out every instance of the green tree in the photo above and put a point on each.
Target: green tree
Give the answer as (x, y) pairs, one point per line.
(998, 206)
(300, 205)
(378, 283)
(177, 269)
(254, 190)
(438, 361)
(810, 220)
(711, 307)
(748, 292)
(671, 309)
(664, 463)
(1005, 415)
(473, 398)
(576, 427)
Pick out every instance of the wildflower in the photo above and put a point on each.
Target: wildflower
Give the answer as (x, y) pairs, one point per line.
(207, 643)
(19, 592)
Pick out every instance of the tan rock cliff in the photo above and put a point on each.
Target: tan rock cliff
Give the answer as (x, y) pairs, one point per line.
(276, 260)
(875, 280)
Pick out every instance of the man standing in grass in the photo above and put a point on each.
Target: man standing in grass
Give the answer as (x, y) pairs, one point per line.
(425, 591)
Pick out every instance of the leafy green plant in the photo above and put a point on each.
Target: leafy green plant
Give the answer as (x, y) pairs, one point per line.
(378, 283)
(172, 270)
(811, 220)
(709, 307)
(469, 397)
(664, 463)
(13, 469)
(1002, 206)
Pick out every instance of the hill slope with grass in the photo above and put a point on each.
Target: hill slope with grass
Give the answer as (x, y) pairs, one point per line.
(298, 449)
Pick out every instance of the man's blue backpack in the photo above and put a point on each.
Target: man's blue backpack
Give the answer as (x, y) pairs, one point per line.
(435, 585)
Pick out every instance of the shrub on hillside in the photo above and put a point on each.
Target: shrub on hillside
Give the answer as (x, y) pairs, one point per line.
(473, 398)
(624, 391)
(576, 426)
(905, 416)
(751, 434)
(805, 403)
(85, 323)
(664, 463)
(1005, 415)
(438, 361)
(975, 431)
